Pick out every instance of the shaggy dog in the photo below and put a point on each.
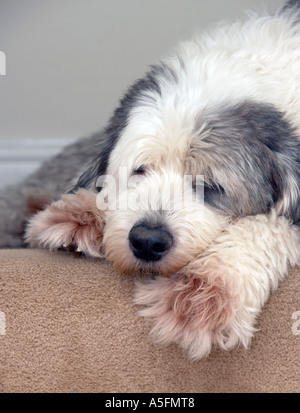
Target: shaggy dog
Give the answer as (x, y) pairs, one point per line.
(196, 183)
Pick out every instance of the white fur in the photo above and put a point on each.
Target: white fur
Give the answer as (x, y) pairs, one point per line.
(234, 263)
(193, 226)
(264, 50)
(252, 256)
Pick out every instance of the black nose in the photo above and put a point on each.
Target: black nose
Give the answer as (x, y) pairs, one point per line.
(149, 244)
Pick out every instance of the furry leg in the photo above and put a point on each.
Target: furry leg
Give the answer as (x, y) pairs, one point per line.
(216, 298)
(73, 221)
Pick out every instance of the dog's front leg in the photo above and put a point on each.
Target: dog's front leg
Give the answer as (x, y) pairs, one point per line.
(74, 221)
(216, 298)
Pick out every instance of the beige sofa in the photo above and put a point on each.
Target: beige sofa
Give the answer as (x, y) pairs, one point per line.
(67, 324)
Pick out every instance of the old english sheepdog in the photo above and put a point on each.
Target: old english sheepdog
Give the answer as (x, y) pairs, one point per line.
(196, 183)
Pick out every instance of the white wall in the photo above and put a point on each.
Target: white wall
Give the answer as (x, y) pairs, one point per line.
(69, 61)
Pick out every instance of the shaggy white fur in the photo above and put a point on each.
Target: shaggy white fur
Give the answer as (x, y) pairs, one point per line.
(216, 298)
(224, 106)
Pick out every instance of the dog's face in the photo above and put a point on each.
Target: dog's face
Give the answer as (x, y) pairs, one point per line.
(195, 167)
(205, 142)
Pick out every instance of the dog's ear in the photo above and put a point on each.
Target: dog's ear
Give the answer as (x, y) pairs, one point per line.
(286, 185)
(296, 213)
(279, 146)
(97, 164)
(291, 6)
(258, 167)
(88, 179)
(284, 169)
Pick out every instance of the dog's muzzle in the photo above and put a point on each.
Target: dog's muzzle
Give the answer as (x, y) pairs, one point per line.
(149, 244)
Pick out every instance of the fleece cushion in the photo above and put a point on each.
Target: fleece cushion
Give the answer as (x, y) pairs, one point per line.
(68, 324)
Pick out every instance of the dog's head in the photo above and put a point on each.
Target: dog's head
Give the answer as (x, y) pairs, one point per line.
(179, 170)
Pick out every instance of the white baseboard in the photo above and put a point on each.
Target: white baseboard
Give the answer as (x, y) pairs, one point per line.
(20, 157)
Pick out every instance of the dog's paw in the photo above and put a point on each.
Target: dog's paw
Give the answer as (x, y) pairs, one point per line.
(74, 222)
(197, 308)
(215, 299)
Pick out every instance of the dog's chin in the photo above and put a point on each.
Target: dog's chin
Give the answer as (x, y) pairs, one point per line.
(141, 269)
(142, 273)
(132, 266)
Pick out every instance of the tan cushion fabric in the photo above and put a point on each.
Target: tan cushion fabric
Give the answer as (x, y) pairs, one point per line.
(68, 324)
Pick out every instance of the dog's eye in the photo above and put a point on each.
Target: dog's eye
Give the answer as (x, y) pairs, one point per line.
(213, 187)
(214, 195)
(140, 170)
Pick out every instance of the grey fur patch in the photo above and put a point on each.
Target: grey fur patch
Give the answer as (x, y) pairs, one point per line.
(292, 10)
(291, 4)
(250, 158)
(96, 164)
(139, 91)
(50, 180)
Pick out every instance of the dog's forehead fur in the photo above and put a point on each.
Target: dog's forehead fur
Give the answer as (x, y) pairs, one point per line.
(217, 107)
(236, 147)
(225, 106)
